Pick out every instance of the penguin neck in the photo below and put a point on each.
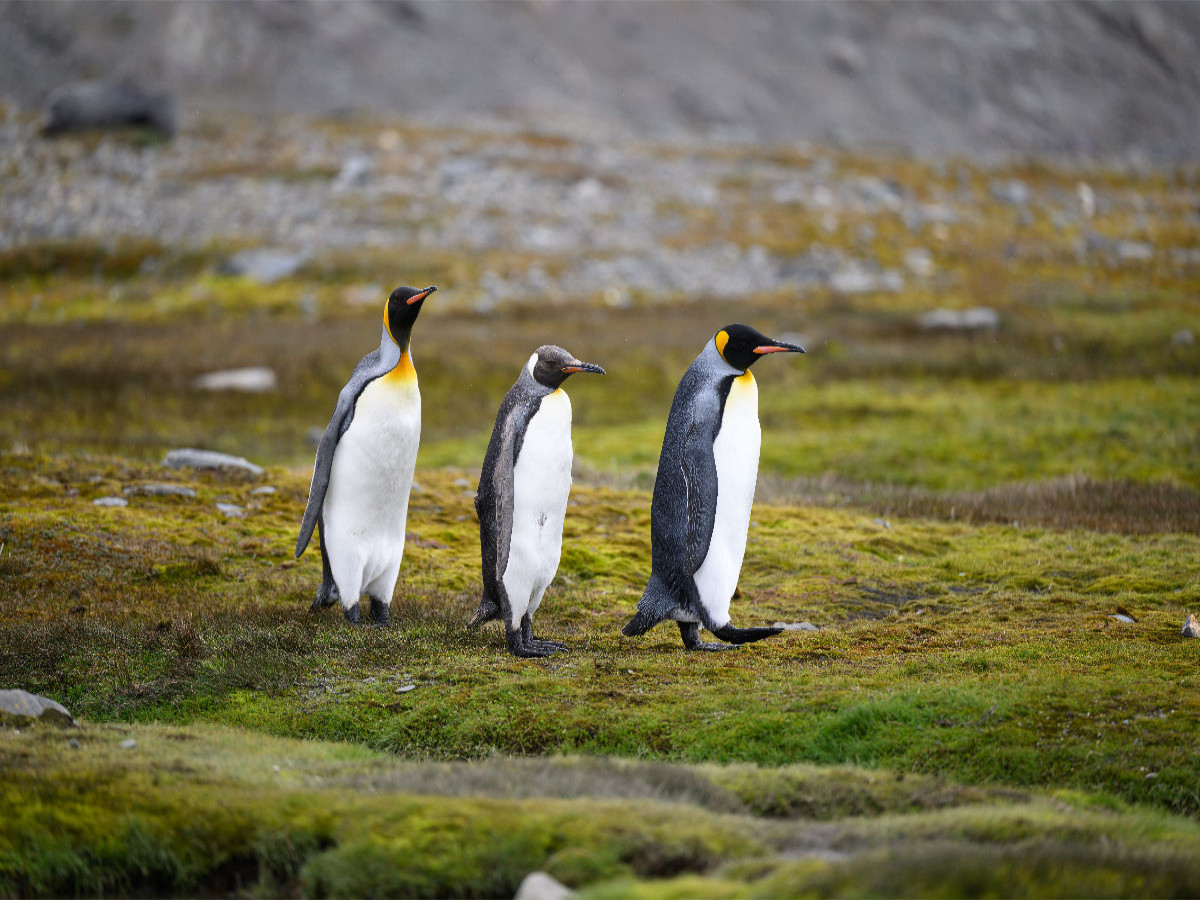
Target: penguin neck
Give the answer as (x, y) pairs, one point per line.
(531, 385)
(395, 354)
(712, 359)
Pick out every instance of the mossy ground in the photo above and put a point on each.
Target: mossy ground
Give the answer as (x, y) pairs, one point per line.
(968, 719)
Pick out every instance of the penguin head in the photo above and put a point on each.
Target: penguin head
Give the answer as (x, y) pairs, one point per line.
(403, 307)
(741, 346)
(551, 366)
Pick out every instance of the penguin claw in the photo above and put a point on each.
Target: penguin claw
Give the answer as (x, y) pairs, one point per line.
(353, 614)
(705, 645)
(381, 613)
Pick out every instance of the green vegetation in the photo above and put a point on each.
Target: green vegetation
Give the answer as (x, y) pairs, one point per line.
(960, 514)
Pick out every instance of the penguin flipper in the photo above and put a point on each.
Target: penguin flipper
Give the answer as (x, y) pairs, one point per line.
(735, 635)
(488, 609)
(699, 468)
(370, 367)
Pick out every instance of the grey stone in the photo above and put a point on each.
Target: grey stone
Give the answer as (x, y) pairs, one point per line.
(232, 510)
(354, 173)
(1012, 192)
(21, 705)
(263, 491)
(540, 886)
(251, 380)
(1183, 338)
(1191, 628)
(974, 319)
(264, 265)
(159, 489)
(1121, 617)
(190, 457)
(796, 626)
(128, 744)
(104, 105)
(1134, 251)
(110, 501)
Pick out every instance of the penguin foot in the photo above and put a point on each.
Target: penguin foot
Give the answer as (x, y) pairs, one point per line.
(381, 613)
(735, 635)
(690, 632)
(518, 646)
(354, 614)
(488, 609)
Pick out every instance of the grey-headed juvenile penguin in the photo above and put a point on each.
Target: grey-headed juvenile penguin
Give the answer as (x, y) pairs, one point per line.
(704, 490)
(522, 497)
(364, 470)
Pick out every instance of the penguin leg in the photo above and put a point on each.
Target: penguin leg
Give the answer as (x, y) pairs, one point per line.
(690, 631)
(518, 646)
(353, 613)
(733, 634)
(381, 613)
(531, 641)
(327, 593)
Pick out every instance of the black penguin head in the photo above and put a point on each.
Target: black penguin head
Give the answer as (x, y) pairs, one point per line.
(403, 307)
(741, 346)
(553, 365)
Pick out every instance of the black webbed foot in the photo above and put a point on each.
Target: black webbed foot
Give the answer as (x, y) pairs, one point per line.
(729, 632)
(354, 614)
(518, 646)
(690, 631)
(381, 613)
(529, 640)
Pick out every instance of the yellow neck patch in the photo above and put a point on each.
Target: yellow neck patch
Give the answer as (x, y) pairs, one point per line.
(404, 371)
(721, 340)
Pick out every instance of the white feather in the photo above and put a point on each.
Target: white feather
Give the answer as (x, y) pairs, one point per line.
(366, 504)
(736, 451)
(541, 485)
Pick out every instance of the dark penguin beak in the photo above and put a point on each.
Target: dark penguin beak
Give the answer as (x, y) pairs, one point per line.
(579, 366)
(778, 347)
(417, 298)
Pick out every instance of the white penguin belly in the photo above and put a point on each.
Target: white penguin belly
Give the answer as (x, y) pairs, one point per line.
(541, 485)
(366, 504)
(736, 451)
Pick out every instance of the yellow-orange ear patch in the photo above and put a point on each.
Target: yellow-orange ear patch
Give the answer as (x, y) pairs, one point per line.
(721, 340)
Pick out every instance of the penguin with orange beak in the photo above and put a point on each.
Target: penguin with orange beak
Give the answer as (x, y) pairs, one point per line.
(364, 470)
(700, 513)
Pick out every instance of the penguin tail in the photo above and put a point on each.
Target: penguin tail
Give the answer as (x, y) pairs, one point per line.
(657, 603)
(488, 609)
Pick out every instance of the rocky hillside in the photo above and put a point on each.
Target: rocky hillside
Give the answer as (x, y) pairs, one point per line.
(1112, 81)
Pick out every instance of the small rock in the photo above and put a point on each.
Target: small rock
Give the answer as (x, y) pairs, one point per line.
(264, 264)
(796, 626)
(1183, 338)
(232, 510)
(405, 688)
(73, 743)
(128, 744)
(974, 319)
(158, 489)
(251, 380)
(918, 261)
(1134, 251)
(21, 705)
(1121, 617)
(110, 501)
(540, 886)
(208, 459)
(1087, 199)
(265, 490)
(1191, 628)
(882, 523)
(354, 173)
(100, 105)
(1014, 192)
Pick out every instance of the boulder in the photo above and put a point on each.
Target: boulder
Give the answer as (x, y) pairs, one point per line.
(189, 457)
(540, 886)
(21, 706)
(102, 105)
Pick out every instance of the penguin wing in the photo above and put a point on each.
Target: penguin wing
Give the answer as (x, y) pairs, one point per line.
(503, 472)
(698, 465)
(369, 368)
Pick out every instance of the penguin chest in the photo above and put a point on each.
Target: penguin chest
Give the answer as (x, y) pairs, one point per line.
(541, 485)
(373, 464)
(736, 453)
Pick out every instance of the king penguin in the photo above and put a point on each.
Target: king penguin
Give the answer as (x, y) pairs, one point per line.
(364, 470)
(522, 497)
(700, 511)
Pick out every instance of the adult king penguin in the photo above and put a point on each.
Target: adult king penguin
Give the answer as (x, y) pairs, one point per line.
(522, 497)
(704, 490)
(364, 470)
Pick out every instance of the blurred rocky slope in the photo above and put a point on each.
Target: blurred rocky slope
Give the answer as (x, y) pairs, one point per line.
(1105, 81)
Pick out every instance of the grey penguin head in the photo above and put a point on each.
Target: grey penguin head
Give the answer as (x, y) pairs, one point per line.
(401, 311)
(742, 346)
(552, 365)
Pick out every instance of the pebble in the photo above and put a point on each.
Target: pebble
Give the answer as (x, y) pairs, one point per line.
(265, 265)
(189, 457)
(110, 501)
(128, 744)
(250, 380)
(977, 318)
(1121, 617)
(232, 510)
(540, 886)
(405, 688)
(263, 491)
(159, 489)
